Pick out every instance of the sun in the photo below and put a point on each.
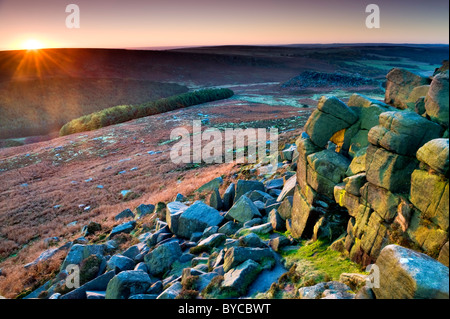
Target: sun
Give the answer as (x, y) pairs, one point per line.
(32, 44)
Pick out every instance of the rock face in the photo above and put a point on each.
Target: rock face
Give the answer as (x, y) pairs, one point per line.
(197, 218)
(406, 274)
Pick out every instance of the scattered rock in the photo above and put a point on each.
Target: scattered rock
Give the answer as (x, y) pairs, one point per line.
(144, 210)
(288, 188)
(243, 210)
(244, 187)
(276, 221)
(212, 241)
(326, 290)
(126, 228)
(252, 240)
(127, 213)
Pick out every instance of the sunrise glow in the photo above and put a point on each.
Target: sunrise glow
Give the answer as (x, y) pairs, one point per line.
(32, 44)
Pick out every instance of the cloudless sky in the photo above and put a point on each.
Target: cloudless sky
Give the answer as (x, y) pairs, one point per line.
(139, 23)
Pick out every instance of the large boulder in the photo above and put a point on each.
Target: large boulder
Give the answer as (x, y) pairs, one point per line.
(243, 210)
(237, 280)
(128, 283)
(197, 218)
(120, 263)
(144, 210)
(407, 274)
(403, 132)
(437, 100)
(435, 154)
(160, 259)
(400, 84)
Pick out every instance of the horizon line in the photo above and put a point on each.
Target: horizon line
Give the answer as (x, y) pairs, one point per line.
(174, 47)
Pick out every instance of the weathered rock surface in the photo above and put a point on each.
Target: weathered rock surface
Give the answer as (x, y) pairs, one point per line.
(243, 210)
(128, 283)
(400, 84)
(162, 257)
(238, 279)
(197, 218)
(437, 100)
(406, 274)
(435, 154)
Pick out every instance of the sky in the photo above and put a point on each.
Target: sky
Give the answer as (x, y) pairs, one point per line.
(158, 23)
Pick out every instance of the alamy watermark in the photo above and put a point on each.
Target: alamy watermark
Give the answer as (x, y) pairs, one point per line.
(73, 19)
(373, 19)
(250, 145)
(73, 276)
(373, 278)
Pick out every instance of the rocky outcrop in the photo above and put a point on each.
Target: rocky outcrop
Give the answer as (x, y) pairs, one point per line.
(387, 167)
